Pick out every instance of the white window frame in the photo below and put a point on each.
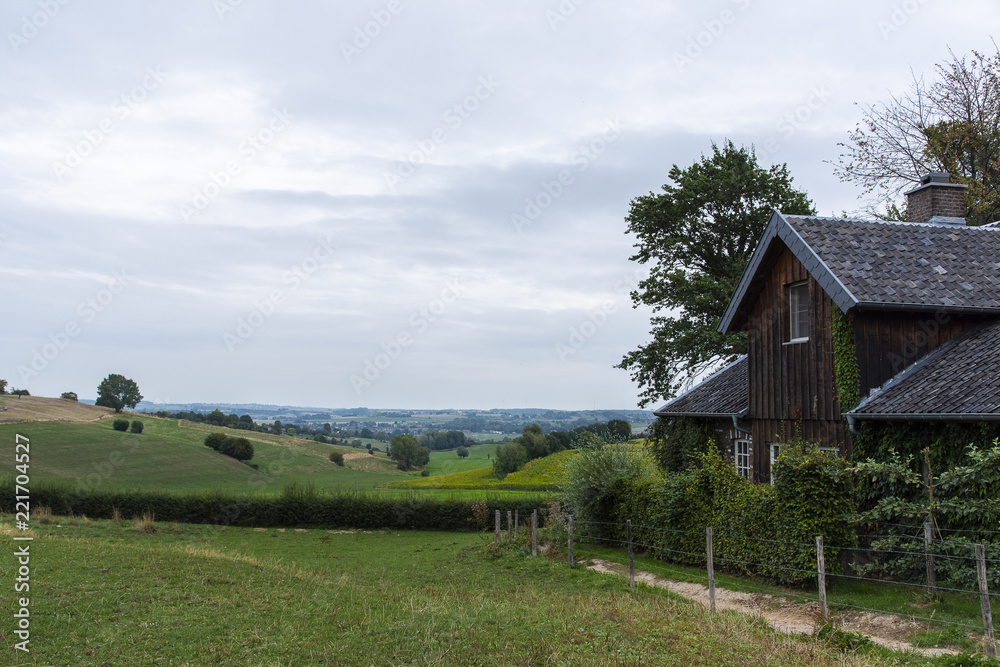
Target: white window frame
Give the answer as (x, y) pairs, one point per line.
(795, 307)
(744, 459)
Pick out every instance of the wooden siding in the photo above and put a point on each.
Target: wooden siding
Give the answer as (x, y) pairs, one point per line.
(887, 341)
(791, 384)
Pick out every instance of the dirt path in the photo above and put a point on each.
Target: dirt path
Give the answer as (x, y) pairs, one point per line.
(786, 615)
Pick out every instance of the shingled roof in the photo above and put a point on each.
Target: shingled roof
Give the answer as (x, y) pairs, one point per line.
(869, 264)
(722, 395)
(958, 381)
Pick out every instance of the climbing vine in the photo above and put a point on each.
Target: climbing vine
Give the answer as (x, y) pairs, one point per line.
(847, 377)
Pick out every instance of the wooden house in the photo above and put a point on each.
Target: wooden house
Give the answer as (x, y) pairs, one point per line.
(919, 302)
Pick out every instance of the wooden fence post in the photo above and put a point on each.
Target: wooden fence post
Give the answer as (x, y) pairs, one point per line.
(984, 601)
(821, 577)
(710, 558)
(510, 526)
(931, 578)
(517, 524)
(570, 530)
(534, 532)
(498, 527)
(631, 557)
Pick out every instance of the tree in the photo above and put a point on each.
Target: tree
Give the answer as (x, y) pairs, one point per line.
(619, 430)
(215, 440)
(407, 452)
(510, 457)
(3, 386)
(950, 124)
(20, 392)
(240, 449)
(534, 441)
(462, 452)
(117, 392)
(697, 236)
(69, 396)
(276, 427)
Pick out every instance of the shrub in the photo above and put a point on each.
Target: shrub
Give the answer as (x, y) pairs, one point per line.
(337, 458)
(69, 396)
(215, 440)
(596, 480)
(120, 424)
(462, 452)
(510, 458)
(239, 448)
(136, 426)
(425, 473)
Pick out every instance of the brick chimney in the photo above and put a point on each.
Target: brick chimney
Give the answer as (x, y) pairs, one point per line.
(937, 200)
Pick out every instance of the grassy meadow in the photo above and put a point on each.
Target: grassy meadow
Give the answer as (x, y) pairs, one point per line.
(170, 456)
(118, 593)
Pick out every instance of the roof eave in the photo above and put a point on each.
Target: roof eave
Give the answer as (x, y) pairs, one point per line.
(927, 416)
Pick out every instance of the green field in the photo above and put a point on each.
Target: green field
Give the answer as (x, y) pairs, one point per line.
(107, 594)
(541, 474)
(170, 456)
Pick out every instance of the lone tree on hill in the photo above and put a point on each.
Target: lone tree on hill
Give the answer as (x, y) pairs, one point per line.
(697, 237)
(117, 392)
(3, 386)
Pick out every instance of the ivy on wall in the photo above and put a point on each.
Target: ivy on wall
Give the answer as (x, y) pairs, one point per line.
(847, 377)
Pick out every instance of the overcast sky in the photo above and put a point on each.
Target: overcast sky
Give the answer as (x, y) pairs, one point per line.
(393, 204)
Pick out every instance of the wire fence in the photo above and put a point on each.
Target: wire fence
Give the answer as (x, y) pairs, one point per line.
(707, 558)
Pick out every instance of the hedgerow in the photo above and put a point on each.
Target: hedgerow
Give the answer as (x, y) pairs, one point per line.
(294, 508)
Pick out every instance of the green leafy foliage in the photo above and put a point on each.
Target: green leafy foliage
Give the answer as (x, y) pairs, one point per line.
(406, 451)
(215, 440)
(596, 482)
(947, 441)
(240, 449)
(510, 457)
(462, 452)
(69, 396)
(337, 458)
(120, 425)
(847, 377)
(136, 426)
(759, 530)
(117, 392)
(697, 237)
(679, 442)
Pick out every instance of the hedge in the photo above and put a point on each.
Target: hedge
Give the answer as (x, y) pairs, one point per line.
(294, 508)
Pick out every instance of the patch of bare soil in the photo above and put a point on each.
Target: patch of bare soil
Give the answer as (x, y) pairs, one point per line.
(786, 615)
(356, 455)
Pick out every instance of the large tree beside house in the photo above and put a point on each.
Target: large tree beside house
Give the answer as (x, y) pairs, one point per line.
(696, 238)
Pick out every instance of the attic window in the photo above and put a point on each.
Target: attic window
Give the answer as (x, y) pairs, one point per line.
(798, 312)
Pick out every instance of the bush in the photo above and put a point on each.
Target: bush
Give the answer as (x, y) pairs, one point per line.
(120, 425)
(425, 473)
(337, 458)
(69, 396)
(510, 458)
(239, 448)
(215, 440)
(462, 452)
(136, 426)
(596, 481)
